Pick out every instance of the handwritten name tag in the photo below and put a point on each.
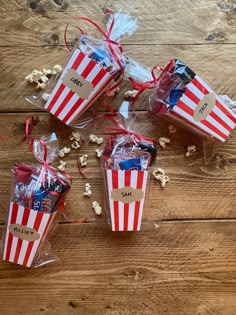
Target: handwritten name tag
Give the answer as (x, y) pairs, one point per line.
(77, 83)
(127, 194)
(204, 107)
(23, 232)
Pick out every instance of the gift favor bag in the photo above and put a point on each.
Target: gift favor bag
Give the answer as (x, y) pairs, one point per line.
(125, 191)
(182, 95)
(25, 233)
(125, 161)
(95, 66)
(37, 195)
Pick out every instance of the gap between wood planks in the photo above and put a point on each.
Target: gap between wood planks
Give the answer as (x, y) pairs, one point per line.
(131, 44)
(166, 221)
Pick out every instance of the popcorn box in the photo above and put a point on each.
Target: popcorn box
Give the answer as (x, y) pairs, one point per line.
(80, 84)
(199, 107)
(26, 231)
(125, 190)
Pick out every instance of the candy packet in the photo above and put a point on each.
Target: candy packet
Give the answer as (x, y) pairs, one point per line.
(95, 66)
(38, 192)
(180, 94)
(125, 161)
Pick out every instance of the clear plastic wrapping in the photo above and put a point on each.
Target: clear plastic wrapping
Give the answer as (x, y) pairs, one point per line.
(94, 67)
(125, 162)
(38, 192)
(180, 94)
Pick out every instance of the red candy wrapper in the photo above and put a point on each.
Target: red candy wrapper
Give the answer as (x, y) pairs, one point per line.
(182, 95)
(125, 162)
(94, 67)
(38, 193)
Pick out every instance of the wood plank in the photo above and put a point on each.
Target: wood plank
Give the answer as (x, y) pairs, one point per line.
(164, 22)
(214, 63)
(195, 190)
(180, 268)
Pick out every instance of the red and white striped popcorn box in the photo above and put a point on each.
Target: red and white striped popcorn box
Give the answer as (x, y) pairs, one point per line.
(80, 84)
(25, 234)
(125, 192)
(203, 110)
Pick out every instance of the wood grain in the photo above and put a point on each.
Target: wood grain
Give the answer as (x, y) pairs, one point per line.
(195, 190)
(214, 63)
(178, 268)
(39, 22)
(183, 262)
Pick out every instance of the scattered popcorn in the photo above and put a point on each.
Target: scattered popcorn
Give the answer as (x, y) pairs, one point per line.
(98, 153)
(190, 150)
(34, 76)
(40, 86)
(47, 71)
(160, 176)
(83, 160)
(44, 78)
(64, 151)
(163, 141)
(41, 77)
(113, 92)
(61, 153)
(95, 139)
(172, 129)
(75, 145)
(45, 96)
(158, 171)
(29, 78)
(88, 191)
(56, 69)
(130, 94)
(97, 208)
(62, 165)
(75, 136)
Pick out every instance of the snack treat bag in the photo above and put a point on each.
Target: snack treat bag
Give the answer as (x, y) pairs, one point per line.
(37, 194)
(95, 66)
(182, 95)
(125, 161)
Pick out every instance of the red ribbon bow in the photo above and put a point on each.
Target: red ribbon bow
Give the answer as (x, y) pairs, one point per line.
(46, 167)
(115, 53)
(148, 85)
(121, 130)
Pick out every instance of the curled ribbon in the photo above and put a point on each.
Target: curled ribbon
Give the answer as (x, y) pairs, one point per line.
(47, 167)
(148, 85)
(28, 127)
(121, 130)
(114, 52)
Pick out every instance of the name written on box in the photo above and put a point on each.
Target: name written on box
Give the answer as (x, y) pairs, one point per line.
(204, 107)
(24, 232)
(77, 83)
(127, 194)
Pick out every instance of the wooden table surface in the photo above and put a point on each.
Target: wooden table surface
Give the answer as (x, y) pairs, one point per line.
(184, 259)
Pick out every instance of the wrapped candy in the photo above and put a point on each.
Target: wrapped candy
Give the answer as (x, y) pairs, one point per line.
(180, 94)
(95, 66)
(38, 193)
(125, 162)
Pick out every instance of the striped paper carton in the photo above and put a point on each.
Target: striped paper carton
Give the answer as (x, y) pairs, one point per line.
(25, 234)
(199, 107)
(80, 84)
(125, 193)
